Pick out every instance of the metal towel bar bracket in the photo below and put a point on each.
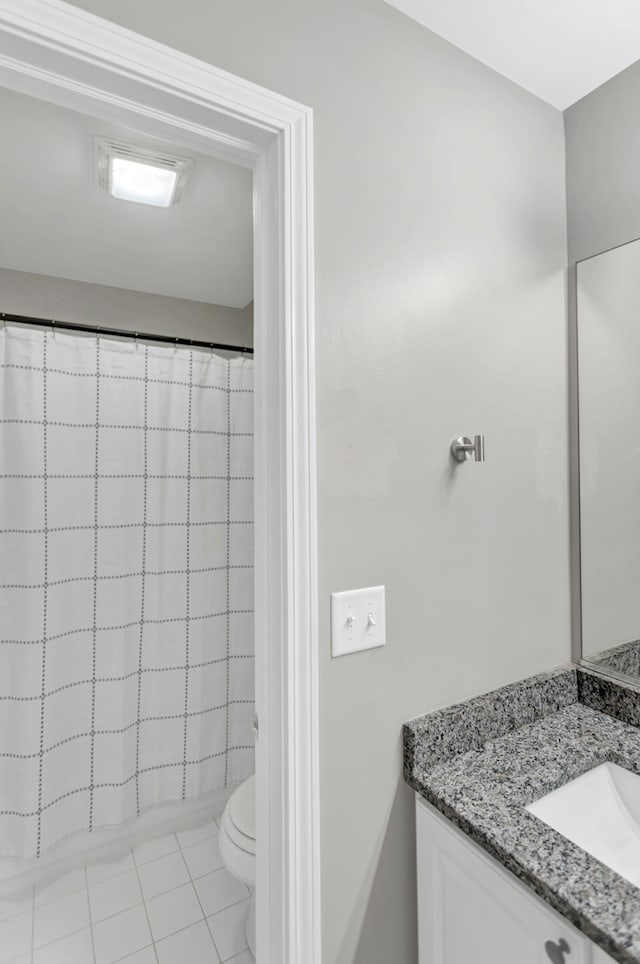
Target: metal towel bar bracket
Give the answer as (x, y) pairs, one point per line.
(462, 448)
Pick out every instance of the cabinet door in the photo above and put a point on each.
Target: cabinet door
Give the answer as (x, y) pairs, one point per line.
(598, 956)
(472, 911)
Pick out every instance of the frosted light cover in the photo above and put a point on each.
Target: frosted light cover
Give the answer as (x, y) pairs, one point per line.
(143, 183)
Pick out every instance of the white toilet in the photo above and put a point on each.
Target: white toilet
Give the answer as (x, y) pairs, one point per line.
(238, 845)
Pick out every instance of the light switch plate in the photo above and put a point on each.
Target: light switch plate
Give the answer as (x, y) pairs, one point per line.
(357, 620)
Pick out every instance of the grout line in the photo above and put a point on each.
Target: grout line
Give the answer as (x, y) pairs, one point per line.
(26, 905)
(206, 919)
(96, 883)
(19, 959)
(64, 937)
(128, 957)
(163, 893)
(236, 957)
(123, 911)
(232, 904)
(103, 880)
(143, 901)
(146, 913)
(228, 960)
(153, 859)
(181, 930)
(194, 877)
(204, 916)
(67, 893)
(93, 943)
(195, 843)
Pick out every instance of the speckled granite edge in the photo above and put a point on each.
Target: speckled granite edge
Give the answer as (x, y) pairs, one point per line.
(480, 762)
(485, 793)
(613, 697)
(449, 732)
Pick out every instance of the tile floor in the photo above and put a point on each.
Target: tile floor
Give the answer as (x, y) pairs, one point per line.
(170, 901)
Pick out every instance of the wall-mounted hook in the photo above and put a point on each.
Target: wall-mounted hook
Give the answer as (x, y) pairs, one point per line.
(462, 447)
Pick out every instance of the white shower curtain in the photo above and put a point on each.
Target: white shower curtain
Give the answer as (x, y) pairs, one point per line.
(126, 580)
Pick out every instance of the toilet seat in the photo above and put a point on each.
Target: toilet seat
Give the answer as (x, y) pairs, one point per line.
(238, 845)
(238, 834)
(242, 815)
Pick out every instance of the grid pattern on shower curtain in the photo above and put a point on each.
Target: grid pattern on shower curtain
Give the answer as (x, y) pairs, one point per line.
(126, 580)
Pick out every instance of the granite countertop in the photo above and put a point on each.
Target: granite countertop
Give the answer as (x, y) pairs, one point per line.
(481, 762)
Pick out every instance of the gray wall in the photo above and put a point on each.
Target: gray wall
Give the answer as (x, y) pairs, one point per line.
(603, 158)
(39, 295)
(440, 239)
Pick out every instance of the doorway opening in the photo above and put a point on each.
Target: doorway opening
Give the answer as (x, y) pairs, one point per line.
(60, 55)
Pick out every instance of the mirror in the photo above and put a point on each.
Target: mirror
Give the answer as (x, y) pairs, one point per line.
(603, 222)
(608, 339)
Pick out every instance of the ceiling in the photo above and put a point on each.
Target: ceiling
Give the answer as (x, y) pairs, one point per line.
(559, 50)
(57, 221)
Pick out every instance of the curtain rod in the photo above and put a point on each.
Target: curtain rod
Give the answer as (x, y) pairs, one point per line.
(120, 333)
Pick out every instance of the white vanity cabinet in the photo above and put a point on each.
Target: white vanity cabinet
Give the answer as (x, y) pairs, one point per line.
(473, 911)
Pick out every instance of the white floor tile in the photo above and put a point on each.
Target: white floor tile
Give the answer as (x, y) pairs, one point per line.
(193, 945)
(173, 911)
(188, 837)
(60, 917)
(155, 848)
(104, 869)
(11, 908)
(159, 872)
(245, 958)
(219, 890)
(114, 895)
(123, 934)
(15, 936)
(75, 949)
(67, 884)
(228, 930)
(204, 857)
(162, 875)
(147, 956)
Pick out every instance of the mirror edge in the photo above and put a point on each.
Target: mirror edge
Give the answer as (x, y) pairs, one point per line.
(575, 550)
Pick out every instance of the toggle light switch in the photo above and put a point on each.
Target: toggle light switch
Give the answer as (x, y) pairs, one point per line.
(357, 620)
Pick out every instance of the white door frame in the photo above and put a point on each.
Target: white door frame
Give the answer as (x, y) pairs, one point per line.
(58, 53)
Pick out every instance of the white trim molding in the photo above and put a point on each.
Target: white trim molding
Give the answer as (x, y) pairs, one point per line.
(51, 50)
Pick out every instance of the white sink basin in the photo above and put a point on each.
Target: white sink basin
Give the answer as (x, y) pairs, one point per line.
(599, 811)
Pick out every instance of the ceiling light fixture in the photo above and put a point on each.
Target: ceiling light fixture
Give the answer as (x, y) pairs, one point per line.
(143, 176)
